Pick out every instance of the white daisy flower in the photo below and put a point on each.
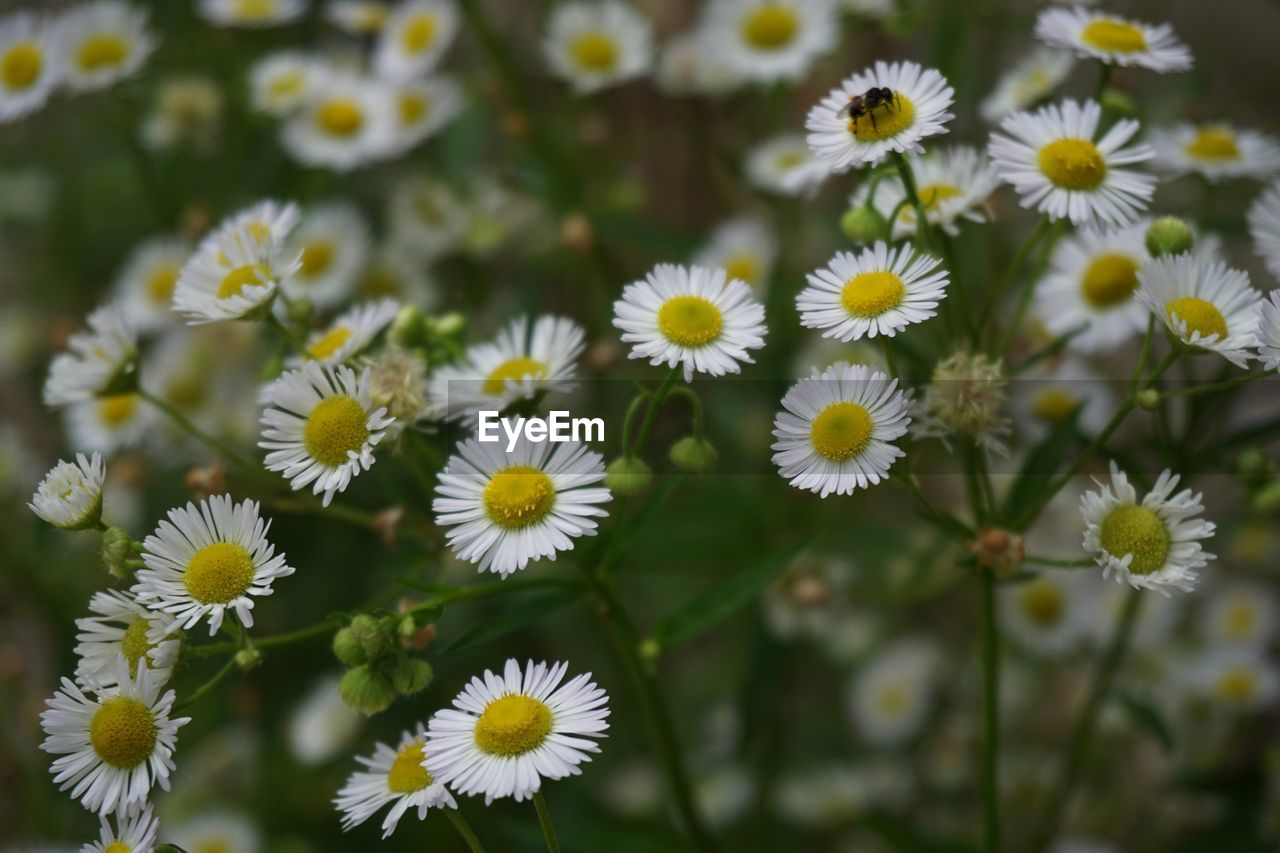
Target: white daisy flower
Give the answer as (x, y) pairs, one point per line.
(524, 362)
(396, 776)
(688, 64)
(1205, 303)
(768, 40)
(784, 165)
(423, 108)
(350, 334)
(837, 429)
(893, 693)
(145, 285)
(1113, 40)
(1241, 613)
(207, 559)
(220, 831)
(331, 244)
(283, 82)
(1263, 219)
(102, 42)
(918, 109)
(264, 222)
(1092, 281)
(1215, 151)
(70, 495)
(123, 626)
(321, 427)
(508, 732)
(114, 745)
(1051, 159)
(1234, 679)
(101, 360)
(357, 17)
(134, 833)
(744, 248)
(690, 316)
(1154, 544)
(349, 121)
(1051, 614)
(1269, 332)
(426, 218)
(1052, 391)
(414, 38)
(594, 44)
(321, 724)
(878, 291)
(1031, 80)
(952, 183)
(29, 65)
(110, 423)
(503, 510)
(252, 14)
(235, 272)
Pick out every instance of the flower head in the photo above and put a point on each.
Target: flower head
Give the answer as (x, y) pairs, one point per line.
(29, 64)
(121, 625)
(594, 44)
(1215, 151)
(879, 291)
(101, 360)
(1113, 40)
(397, 776)
(70, 495)
(768, 40)
(1203, 302)
(414, 37)
(102, 42)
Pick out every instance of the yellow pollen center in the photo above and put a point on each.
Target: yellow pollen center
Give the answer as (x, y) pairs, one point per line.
(413, 107)
(595, 52)
(744, 268)
(1115, 36)
(123, 732)
(101, 51)
(117, 847)
(1110, 280)
(21, 65)
(1073, 164)
(518, 496)
(340, 117)
(407, 773)
(1133, 529)
(513, 725)
(316, 259)
(287, 84)
(1213, 143)
(790, 160)
(218, 573)
(329, 343)
(335, 428)
(1237, 685)
(931, 195)
(1055, 405)
(870, 294)
(117, 409)
(135, 645)
(418, 33)
(770, 27)
(1199, 315)
(249, 275)
(1042, 603)
(1241, 620)
(689, 321)
(516, 369)
(255, 9)
(893, 700)
(886, 120)
(840, 431)
(160, 283)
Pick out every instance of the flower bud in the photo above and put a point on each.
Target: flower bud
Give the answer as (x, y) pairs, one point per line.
(366, 690)
(117, 550)
(1169, 235)
(1149, 399)
(247, 659)
(347, 648)
(371, 634)
(863, 224)
(411, 675)
(694, 455)
(1118, 103)
(448, 325)
(409, 328)
(628, 475)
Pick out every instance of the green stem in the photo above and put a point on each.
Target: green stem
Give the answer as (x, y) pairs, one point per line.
(213, 682)
(651, 416)
(990, 715)
(1015, 265)
(1029, 289)
(941, 519)
(695, 407)
(1217, 386)
(464, 829)
(187, 426)
(886, 347)
(544, 821)
(291, 337)
(909, 185)
(1104, 79)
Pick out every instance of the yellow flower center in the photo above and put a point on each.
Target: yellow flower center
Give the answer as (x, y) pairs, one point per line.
(1043, 603)
(1054, 405)
(514, 368)
(513, 725)
(335, 428)
(117, 847)
(340, 117)
(160, 283)
(1237, 685)
(249, 275)
(595, 52)
(1132, 529)
(255, 10)
(135, 645)
(117, 409)
(418, 33)
(329, 343)
(316, 258)
(840, 431)
(931, 195)
(886, 120)
(413, 107)
(218, 573)
(518, 496)
(744, 268)
(689, 321)
(870, 294)
(1212, 143)
(21, 65)
(1073, 164)
(1110, 280)
(1199, 315)
(893, 700)
(101, 51)
(770, 27)
(1114, 36)
(407, 773)
(123, 732)
(1241, 621)
(287, 84)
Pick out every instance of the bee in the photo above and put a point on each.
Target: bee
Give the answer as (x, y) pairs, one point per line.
(867, 103)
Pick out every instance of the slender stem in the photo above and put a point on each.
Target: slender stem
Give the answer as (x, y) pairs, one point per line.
(288, 638)
(464, 829)
(1015, 265)
(189, 427)
(544, 820)
(990, 715)
(1104, 78)
(1029, 289)
(909, 185)
(943, 520)
(1217, 386)
(290, 336)
(651, 416)
(695, 406)
(1083, 733)
(213, 682)
(886, 347)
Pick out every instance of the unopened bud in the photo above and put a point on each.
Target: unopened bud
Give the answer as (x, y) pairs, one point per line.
(370, 633)
(117, 550)
(694, 455)
(1149, 399)
(347, 648)
(247, 659)
(411, 675)
(448, 325)
(628, 475)
(863, 224)
(366, 690)
(409, 328)
(1118, 103)
(1169, 235)
(576, 233)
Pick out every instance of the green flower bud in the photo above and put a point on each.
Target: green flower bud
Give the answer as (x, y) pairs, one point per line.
(1118, 103)
(409, 328)
(1169, 235)
(448, 325)
(411, 675)
(347, 647)
(628, 475)
(117, 551)
(371, 634)
(247, 659)
(863, 224)
(694, 455)
(1149, 399)
(366, 690)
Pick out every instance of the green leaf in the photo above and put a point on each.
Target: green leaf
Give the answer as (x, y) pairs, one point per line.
(1038, 470)
(721, 601)
(529, 609)
(1146, 716)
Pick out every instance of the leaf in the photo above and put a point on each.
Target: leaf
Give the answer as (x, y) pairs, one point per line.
(1146, 716)
(1038, 470)
(529, 609)
(720, 602)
